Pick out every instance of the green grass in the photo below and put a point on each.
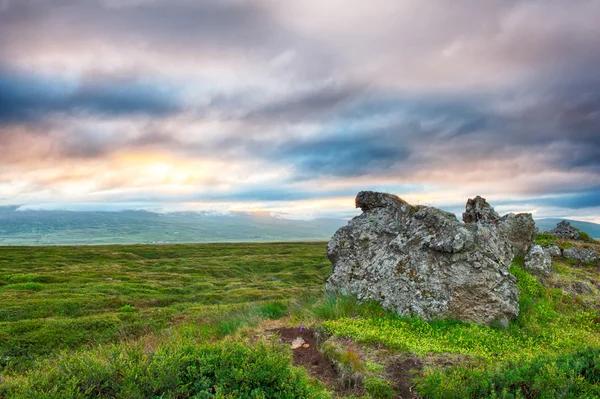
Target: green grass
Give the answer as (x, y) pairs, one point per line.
(56, 298)
(184, 321)
(545, 240)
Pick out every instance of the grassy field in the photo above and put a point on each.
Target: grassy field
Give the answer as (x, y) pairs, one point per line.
(190, 321)
(64, 297)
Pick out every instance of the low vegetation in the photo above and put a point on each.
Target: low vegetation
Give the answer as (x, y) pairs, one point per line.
(56, 298)
(192, 321)
(179, 368)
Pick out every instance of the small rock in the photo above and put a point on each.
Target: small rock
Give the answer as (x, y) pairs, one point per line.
(565, 230)
(553, 250)
(297, 343)
(581, 255)
(538, 261)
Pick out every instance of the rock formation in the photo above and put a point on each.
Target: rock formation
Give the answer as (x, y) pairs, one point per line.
(565, 230)
(520, 228)
(422, 261)
(538, 261)
(582, 255)
(478, 210)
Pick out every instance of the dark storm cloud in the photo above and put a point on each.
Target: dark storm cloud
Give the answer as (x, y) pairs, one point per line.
(25, 98)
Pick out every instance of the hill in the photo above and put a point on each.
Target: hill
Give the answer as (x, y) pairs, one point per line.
(142, 227)
(31, 227)
(593, 229)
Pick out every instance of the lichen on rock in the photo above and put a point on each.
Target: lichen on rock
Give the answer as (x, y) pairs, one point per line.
(422, 261)
(582, 255)
(538, 261)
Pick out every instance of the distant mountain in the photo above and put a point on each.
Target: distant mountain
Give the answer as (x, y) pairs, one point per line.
(141, 227)
(593, 229)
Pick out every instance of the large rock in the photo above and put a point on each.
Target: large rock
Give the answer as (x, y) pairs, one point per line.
(581, 255)
(565, 230)
(422, 261)
(538, 261)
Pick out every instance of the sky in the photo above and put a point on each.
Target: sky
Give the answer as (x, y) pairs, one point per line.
(292, 107)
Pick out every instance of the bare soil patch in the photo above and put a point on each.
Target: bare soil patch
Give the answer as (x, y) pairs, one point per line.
(401, 373)
(306, 353)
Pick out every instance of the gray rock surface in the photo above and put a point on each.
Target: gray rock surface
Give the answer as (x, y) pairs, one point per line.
(478, 210)
(553, 250)
(581, 255)
(520, 231)
(422, 261)
(538, 261)
(565, 230)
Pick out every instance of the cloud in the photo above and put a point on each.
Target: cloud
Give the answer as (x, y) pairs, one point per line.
(306, 105)
(258, 101)
(31, 98)
(186, 24)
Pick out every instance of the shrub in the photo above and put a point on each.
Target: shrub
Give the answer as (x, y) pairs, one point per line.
(176, 370)
(351, 359)
(583, 236)
(572, 375)
(377, 388)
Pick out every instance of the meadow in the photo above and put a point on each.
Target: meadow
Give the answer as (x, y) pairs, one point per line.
(196, 321)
